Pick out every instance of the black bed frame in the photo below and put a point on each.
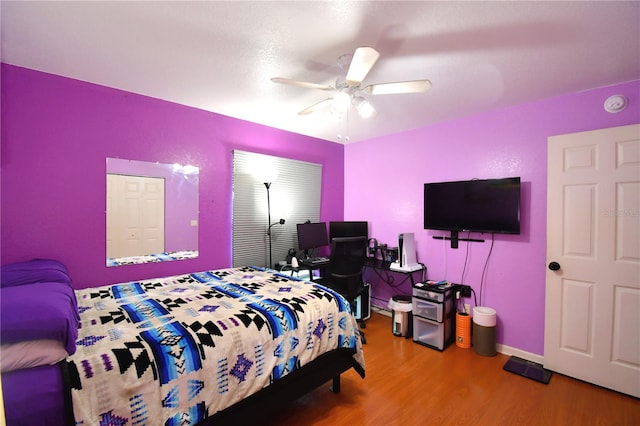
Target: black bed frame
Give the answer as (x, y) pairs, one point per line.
(279, 394)
(274, 397)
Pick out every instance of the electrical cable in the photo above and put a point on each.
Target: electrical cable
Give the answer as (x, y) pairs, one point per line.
(388, 278)
(475, 300)
(466, 259)
(444, 255)
(486, 264)
(401, 282)
(424, 272)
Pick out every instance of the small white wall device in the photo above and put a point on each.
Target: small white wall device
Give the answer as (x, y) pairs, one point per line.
(407, 261)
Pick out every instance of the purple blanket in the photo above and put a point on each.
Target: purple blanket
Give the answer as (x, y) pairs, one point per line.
(39, 311)
(38, 302)
(33, 271)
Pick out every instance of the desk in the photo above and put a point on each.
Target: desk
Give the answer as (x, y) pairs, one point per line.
(383, 265)
(304, 266)
(319, 266)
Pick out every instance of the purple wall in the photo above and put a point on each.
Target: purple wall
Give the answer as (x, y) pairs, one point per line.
(500, 143)
(57, 133)
(56, 136)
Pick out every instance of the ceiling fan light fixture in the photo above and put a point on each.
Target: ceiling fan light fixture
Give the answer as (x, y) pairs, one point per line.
(364, 107)
(341, 101)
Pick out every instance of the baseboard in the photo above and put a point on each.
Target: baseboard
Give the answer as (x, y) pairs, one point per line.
(508, 350)
(381, 311)
(500, 348)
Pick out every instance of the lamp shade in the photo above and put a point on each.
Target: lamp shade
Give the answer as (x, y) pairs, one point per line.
(262, 168)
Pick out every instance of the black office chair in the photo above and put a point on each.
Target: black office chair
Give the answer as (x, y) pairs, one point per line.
(344, 273)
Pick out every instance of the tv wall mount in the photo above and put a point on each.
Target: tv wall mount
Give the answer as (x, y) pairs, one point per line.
(455, 237)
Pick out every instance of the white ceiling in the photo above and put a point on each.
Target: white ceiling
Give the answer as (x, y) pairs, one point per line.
(220, 56)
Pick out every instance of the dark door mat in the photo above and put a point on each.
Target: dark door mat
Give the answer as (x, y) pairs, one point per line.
(528, 369)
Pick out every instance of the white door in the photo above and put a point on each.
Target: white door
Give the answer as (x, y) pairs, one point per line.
(592, 302)
(135, 215)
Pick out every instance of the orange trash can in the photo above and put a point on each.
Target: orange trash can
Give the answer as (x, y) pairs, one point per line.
(463, 330)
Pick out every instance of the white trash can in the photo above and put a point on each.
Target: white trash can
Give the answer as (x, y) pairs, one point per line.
(401, 315)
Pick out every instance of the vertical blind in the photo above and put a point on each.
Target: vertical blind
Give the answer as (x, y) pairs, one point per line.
(294, 196)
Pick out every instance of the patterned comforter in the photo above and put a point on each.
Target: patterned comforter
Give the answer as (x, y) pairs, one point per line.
(176, 350)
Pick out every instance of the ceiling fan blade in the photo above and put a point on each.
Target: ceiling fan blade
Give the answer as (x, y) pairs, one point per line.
(304, 84)
(363, 60)
(415, 86)
(314, 107)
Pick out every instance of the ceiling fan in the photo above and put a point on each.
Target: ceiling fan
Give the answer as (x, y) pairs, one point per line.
(348, 90)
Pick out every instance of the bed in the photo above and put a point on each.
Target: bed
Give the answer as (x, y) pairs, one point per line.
(213, 347)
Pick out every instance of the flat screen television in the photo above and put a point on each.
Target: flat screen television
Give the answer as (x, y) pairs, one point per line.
(312, 235)
(490, 205)
(339, 229)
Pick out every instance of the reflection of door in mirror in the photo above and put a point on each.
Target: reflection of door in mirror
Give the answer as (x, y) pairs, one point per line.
(135, 215)
(152, 212)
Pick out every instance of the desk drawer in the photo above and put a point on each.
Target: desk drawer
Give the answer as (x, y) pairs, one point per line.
(424, 293)
(426, 309)
(430, 333)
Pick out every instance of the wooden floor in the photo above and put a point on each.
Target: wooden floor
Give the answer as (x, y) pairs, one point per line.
(410, 384)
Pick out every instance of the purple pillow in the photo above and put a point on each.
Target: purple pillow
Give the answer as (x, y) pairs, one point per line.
(39, 311)
(33, 271)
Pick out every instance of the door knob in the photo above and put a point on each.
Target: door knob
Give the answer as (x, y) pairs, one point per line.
(554, 266)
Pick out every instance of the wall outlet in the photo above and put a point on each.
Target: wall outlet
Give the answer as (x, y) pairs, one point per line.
(467, 308)
(465, 291)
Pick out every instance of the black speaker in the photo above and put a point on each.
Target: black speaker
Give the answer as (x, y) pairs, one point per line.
(363, 304)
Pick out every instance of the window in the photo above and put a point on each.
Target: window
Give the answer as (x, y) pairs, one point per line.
(294, 196)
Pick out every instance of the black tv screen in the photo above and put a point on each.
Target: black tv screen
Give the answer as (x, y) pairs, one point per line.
(339, 229)
(312, 235)
(490, 205)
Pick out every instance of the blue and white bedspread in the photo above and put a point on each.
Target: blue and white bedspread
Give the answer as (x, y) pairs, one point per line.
(176, 350)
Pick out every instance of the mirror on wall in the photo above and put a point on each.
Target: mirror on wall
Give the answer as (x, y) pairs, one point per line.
(152, 212)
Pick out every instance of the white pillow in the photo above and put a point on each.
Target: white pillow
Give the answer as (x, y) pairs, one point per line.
(15, 356)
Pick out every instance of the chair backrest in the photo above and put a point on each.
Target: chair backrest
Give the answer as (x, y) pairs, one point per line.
(348, 255)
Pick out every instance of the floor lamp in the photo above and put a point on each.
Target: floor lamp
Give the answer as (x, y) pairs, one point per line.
(280, 222)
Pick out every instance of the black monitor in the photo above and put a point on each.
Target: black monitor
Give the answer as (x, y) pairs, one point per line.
(312, 235)
(348, 229)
